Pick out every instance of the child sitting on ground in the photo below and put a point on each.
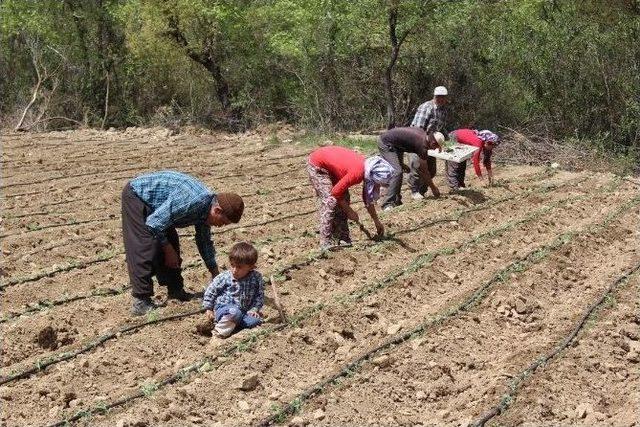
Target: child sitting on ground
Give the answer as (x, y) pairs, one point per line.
(234, 298)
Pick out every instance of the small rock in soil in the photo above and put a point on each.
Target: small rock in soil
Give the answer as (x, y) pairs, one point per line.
(318, 414)
(451, 275)
(249, 383)
(583, 410)
(297, 422)
(275, 396)
(243, 405)
(520, 307)
(48, 338)
(394, 329)
(369, 313)
(382, 361)
(421, 395)
(205, 328)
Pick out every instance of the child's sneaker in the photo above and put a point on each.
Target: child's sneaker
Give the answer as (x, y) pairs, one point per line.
(417, 196)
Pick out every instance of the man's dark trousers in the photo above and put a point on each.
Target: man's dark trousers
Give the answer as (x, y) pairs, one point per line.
(145, 257)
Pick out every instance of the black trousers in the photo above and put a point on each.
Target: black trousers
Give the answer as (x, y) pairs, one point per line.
(144, 254)
(416, 183)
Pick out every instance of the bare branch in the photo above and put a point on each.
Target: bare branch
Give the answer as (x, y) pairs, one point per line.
(36, 89)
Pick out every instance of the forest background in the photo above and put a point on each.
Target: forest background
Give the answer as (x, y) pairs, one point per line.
(567, 70)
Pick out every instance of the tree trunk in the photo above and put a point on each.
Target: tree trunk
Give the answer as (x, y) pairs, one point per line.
(36, 89)
(212, 64)
(388, 75)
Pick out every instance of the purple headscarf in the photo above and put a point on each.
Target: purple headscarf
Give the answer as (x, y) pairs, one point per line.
(488, 136)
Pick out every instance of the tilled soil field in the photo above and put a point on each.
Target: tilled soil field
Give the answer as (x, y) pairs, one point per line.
(508, 305)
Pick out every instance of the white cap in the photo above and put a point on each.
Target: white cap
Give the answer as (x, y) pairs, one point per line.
(438, 137)
(440, 91)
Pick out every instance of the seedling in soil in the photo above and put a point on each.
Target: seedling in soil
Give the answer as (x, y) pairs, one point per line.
(609, 301)
(101, 407)
(278, 413)
(152, 316)
(149, 388)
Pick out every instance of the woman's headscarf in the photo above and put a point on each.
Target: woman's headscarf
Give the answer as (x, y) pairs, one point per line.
(376, 171)
(488, 136)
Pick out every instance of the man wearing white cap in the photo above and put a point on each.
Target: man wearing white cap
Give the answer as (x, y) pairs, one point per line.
(432, 117)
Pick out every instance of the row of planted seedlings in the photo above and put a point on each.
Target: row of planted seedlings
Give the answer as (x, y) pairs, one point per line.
(254, 176)
(331, 263)
(392, 240)
(307, 212)
(589, 377)
(177, 150)
(301, 355)
(519, 380)
(112, 254)
(313, 311)
(442, 362)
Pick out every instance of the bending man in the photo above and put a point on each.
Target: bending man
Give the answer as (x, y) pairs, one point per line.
(393, 144)
(153, 206)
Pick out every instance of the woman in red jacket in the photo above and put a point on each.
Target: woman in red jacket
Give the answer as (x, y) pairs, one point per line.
(332, 170)
(485, 140)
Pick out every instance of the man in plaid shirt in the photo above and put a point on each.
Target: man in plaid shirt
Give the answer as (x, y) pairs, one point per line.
(153, 206)
(432, 116)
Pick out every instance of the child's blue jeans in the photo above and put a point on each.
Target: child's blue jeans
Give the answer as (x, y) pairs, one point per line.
(243, 320)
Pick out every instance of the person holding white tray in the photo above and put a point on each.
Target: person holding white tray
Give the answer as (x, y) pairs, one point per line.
(485, 140)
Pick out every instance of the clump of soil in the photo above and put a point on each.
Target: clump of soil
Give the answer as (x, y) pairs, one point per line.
(205, 328)
(48, 338)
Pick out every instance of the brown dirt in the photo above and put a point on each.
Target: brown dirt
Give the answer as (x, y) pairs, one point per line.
(62, 240)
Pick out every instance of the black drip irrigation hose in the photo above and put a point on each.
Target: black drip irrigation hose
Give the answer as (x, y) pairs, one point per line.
(542, 361)
(534, 256)
(309, 260)
(66, 356)
(42, 365)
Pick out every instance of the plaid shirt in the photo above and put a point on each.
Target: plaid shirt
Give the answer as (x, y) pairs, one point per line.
(431, 118)
(177, 200)
(246, 293)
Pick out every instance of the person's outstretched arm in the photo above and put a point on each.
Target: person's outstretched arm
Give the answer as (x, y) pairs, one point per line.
(426, 177)
(371, 208)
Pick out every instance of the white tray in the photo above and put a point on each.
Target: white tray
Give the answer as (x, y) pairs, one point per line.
(458, 153)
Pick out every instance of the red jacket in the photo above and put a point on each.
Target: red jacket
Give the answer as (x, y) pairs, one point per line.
(346, 167)
(469, 137)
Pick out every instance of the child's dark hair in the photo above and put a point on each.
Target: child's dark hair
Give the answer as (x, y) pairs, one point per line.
(243, 253)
